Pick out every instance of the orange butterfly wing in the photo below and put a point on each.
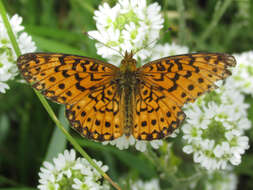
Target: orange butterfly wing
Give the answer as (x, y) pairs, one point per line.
(85, 85)
(168, 83)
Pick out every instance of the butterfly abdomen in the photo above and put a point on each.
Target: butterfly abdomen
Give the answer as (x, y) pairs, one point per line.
(127, 112)
(127, 86)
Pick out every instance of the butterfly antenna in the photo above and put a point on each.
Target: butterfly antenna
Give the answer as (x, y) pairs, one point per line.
(86, 33)
(144, 47)
(147, 45)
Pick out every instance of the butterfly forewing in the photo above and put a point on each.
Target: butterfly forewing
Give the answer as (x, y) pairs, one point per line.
(185, 77)
(59, 76)
(84, 84)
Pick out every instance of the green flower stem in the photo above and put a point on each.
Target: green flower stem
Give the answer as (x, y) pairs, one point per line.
(169, 172)
(5, 180)
(182, 25)
(84, 5)
(47, 106)
(219, 11)
(9, 29)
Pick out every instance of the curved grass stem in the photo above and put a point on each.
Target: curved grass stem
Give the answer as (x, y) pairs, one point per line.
(47, 106)
(220, 8)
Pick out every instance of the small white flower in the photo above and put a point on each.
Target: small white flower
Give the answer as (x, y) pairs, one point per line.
(214, 129)
(188, 149)
(141, 146)
(223, 180)
(243, 72)
(159, 51)
(8, 68)
(88, 184)
(68, 172)
(149, 185)
(156, 143)
(218, 179)
(3, 87)
(124, 142)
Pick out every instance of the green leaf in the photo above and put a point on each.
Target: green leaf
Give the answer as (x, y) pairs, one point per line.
(56, 34)
(142, 165)
(86, 6)
(246, 167)
(55, 46)
(4, 127)
(58, 141)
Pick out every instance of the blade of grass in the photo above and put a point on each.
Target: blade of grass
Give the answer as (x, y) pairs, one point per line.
(55, 33)
(182, 25)
(49, 109)
(218, 13)
(111, 162)
(55, 46)
(23, 152)
(85, 6)
(8, 181)
(9, 29)
(48, 16)
(4, 127)
(58, 141)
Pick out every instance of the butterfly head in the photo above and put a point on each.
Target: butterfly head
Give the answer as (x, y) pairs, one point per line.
(128, 63)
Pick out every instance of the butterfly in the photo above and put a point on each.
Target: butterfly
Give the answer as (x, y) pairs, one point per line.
(103, 101)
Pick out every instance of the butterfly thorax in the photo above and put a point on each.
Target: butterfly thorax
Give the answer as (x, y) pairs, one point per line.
(128, 64)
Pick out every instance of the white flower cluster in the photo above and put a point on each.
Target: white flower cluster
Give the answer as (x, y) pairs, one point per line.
(218, 179)
(149, 185)
(214, 129)
(223, 180)
(8, 68)
(243, 73)
(166, 50)
(128, 26)
(124, 142)
(67, 172)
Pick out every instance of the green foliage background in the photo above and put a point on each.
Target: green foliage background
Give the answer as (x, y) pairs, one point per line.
(27, 134)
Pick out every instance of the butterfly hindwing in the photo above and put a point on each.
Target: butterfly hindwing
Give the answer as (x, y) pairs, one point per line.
(97, 114)
(155, 115)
